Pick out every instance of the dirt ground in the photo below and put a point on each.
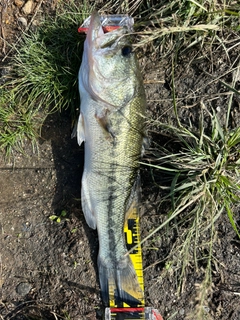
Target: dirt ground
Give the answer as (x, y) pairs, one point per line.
(48, 269)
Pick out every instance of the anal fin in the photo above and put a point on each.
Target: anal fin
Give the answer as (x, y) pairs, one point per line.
(86, 204)
(80, 129)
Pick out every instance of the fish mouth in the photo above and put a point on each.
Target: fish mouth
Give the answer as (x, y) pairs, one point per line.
(98, 39)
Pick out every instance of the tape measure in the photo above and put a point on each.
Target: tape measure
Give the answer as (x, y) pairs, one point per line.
(132, 239)
(120, 310)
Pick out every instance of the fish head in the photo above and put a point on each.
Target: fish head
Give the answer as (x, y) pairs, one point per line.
(109, 70)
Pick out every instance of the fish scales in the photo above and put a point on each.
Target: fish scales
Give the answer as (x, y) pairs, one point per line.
(111, 123)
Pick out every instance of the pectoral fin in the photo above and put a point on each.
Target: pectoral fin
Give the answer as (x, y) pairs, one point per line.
(105, 124)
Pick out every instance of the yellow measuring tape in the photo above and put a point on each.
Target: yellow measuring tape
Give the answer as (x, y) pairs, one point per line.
(123, 311)
(132, 238)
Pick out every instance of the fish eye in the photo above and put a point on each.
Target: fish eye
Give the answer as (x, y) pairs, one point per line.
(126, 51)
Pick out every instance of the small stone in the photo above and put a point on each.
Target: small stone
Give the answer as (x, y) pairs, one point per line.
(206, 309)
(23, 288)
(181, 312)
(22, 21)
(18, 3)
(28, 7)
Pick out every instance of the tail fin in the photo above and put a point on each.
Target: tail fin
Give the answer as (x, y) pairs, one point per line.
(121, 280)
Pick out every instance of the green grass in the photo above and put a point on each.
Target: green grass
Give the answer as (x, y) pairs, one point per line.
(177, 24)
(202, 180)
(41, 77)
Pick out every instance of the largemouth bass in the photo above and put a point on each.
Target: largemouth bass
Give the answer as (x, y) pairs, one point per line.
(111, 123)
